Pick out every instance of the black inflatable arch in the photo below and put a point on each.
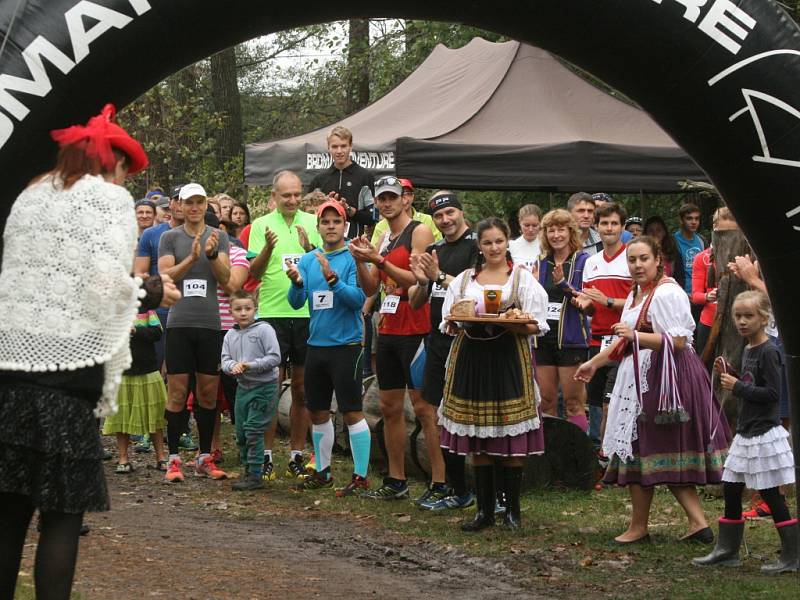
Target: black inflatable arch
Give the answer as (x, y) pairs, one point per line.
(721, 76)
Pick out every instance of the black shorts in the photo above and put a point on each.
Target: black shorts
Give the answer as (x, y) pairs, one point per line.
(332, 369)
(548, 355)
(600, 387)
(393, 360)
(292, 334)
(437, 350)
(192, 350)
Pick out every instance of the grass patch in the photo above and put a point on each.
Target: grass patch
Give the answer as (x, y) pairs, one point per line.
(564, 542)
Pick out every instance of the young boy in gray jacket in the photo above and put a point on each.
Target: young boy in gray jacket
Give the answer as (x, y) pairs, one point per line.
(251, 353)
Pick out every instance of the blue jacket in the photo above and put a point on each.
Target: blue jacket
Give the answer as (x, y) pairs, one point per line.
(573, 327)
(340, 324)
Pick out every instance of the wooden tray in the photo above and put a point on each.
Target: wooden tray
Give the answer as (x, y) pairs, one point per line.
(495, 319)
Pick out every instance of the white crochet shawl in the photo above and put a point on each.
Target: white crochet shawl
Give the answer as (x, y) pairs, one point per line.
(67, 299)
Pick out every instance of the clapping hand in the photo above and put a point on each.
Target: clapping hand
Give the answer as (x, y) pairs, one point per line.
(415, 265)
(303, 237)
(558, 273)
(270, 239)
(293, 273)
(327, 272)
(212, 243)
(196, 247)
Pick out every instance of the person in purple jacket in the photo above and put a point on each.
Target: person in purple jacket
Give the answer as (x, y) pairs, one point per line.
(565, 346)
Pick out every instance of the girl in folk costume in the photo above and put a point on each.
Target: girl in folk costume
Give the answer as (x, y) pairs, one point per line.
(760, 457)
(490, 401)
(68, 306)
(142, 395)
(664, 426)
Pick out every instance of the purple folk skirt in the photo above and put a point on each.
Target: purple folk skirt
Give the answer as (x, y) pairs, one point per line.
(677, 453)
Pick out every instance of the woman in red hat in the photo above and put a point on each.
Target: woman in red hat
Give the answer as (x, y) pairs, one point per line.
(68, 303)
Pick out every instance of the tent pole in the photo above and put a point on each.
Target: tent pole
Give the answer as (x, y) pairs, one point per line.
(641, 204)
(550, 195)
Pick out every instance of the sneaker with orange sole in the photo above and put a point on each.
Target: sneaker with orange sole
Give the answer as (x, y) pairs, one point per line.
(174, 473)
(206, 467)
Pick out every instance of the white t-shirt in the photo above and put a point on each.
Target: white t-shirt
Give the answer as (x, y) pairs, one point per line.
(525, 253)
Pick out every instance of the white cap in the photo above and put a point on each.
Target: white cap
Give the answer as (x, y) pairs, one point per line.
(191, 189)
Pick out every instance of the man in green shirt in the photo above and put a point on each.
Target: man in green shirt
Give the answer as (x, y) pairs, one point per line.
(276, 240)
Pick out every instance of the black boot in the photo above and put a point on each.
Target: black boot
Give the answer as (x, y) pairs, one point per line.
(252, 482)
(726, 552)
(500, 489)
(484, 488)
(788, 561)
(513, 486)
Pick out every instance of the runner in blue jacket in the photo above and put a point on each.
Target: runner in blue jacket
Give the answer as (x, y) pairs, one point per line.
(326, 278)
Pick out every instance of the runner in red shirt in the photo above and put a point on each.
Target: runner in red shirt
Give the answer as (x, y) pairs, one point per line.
(401, 328)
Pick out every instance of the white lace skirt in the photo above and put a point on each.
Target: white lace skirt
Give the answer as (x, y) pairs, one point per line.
(760, 462)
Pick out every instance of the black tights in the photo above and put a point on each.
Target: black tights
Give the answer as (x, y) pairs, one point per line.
(56, 552)
(733, 502)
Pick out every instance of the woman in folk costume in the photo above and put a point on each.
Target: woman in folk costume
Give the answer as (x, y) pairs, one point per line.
(664, 426)
(67, 304)
(490, 402)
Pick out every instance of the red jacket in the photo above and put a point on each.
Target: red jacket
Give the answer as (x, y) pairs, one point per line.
(700, 287)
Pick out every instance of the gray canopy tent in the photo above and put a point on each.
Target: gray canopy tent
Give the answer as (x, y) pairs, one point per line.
(490, 116)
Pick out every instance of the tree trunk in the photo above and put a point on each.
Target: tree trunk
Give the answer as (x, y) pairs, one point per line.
(225, 93)
(724, 340)
(358, 65)
(183, 86)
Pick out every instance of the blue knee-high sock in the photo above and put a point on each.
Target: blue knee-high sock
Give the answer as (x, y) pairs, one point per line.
(360, 446)
(323, 435)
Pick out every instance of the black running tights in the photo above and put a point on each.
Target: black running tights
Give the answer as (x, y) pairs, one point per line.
(56, 552)
(733, 502)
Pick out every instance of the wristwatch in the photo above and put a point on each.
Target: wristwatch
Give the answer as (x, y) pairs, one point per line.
(441, 277)
(213, 255)
(610, 302)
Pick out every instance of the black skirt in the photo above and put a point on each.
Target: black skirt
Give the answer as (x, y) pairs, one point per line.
(50, 446)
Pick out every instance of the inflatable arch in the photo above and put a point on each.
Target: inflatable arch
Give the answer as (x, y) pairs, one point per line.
(721, 76)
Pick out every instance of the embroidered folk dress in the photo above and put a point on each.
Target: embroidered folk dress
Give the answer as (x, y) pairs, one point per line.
(491, 401)
(643, 450)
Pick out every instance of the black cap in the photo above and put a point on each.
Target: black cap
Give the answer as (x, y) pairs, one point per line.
(175, 191)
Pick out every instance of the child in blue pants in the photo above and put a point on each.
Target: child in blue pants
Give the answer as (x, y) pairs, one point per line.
(250, 352)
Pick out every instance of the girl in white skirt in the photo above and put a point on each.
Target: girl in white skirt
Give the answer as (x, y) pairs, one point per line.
(760, 457)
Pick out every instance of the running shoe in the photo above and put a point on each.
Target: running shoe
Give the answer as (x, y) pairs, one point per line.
(268, 473)
(450, 502)
(434, 493)
(295, 469)
(392, 489)
(757, 511)
(311, 465)
(186, 442)
(315, 481)
(143, 446)
(174, 473)
(208, 468)
(356, 483)
(216, 455)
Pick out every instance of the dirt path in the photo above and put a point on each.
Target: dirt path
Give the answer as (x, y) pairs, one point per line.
(154, 543)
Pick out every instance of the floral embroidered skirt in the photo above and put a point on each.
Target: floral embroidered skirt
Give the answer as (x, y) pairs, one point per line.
(490, 401)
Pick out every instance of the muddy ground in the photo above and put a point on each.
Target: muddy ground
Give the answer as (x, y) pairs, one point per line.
(186, 541)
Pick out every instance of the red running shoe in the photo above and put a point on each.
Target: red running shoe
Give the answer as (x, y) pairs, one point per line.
(757, 511)
(174, 473)
(206, 467)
